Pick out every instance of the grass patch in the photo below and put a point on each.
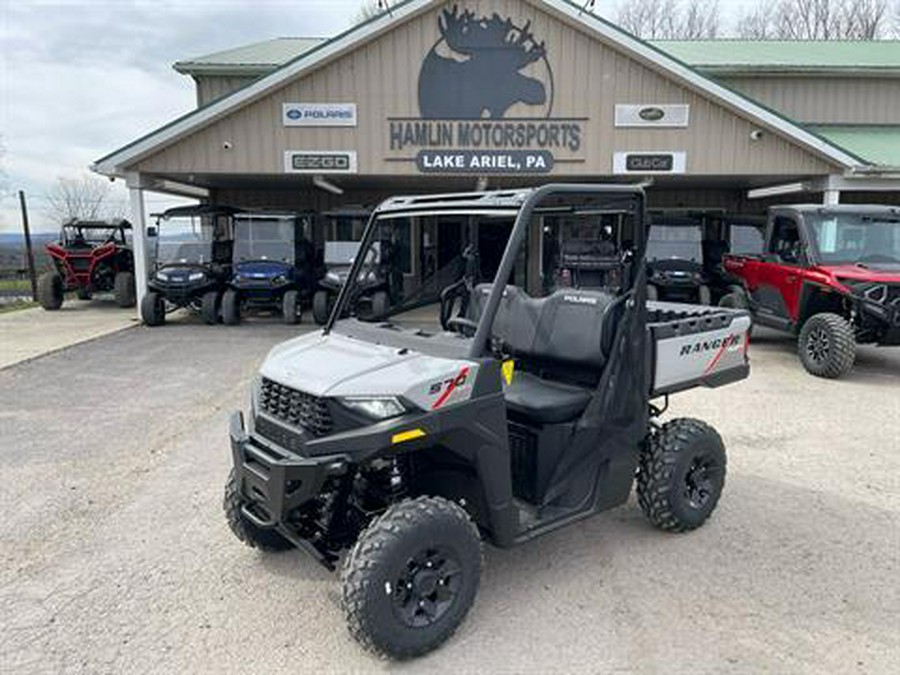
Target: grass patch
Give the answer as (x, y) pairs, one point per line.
(15, 285)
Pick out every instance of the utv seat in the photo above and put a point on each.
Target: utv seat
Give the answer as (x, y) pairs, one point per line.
(545, 401)
(559, 343)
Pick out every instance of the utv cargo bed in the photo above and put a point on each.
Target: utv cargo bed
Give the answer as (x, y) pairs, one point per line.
(692, 345)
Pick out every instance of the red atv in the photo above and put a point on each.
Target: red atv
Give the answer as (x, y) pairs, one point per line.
(90, 256)
(828, 274)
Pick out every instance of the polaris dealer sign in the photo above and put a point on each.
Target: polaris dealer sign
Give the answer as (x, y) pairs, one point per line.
(318, 114)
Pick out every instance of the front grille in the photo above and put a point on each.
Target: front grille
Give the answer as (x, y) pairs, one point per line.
(297, 408)
(80, 264)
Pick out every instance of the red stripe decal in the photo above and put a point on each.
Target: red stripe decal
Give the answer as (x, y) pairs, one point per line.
(463, 374)
(712, 364)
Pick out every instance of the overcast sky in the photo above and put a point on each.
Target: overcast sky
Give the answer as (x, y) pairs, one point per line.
(81, 79)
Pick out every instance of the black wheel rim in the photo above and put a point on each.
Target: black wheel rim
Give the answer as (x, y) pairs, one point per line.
(427, 587)
(699, 481)
(818, 345)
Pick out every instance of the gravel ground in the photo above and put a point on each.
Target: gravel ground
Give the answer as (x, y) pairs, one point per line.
(116, 557)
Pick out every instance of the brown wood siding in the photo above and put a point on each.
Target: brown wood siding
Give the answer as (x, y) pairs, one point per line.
(832, 100)
(382, 75)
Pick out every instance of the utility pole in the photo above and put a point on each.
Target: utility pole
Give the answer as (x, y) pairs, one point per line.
(31, 272)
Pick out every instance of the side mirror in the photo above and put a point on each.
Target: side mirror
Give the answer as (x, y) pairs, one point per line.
(151, 231)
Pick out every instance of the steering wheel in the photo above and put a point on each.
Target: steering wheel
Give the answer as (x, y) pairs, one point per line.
(462, 325)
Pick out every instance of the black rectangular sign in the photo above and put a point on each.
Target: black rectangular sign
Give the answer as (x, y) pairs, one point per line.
(642, 163)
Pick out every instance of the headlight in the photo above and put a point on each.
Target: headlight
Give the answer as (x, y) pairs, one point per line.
(376, 407)
(332, 276)
(877, 293)
(280, 279)
(196, 276)
(162, 276)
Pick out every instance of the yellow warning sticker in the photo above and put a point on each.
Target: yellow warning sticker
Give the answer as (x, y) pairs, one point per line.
(507, 370)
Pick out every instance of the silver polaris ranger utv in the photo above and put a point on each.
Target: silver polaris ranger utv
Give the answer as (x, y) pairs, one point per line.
(406, 447)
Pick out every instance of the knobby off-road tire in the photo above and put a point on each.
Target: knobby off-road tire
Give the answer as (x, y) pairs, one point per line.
(290, 307)
(827, 346)
(411, 577)
(704, 295)
(381, 305)
(734, 300)
(210, 305)
(320, 307)
(50, 291)
(153, 309)
(231, 308)
(265, 540)
(681, 473)
(123, 286)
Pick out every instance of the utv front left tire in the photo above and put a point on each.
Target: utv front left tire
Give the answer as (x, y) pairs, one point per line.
(681, 473)
(268, 541)
(50, 291)
(231, 308)
(411, 578)
(153, 309)
(320, 307)
(290, 307)
(827, 345)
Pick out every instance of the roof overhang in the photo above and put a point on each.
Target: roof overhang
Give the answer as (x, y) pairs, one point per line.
(118, 162)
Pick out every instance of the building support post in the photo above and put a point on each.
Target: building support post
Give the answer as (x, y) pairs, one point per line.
(831, 194)
(138, 238)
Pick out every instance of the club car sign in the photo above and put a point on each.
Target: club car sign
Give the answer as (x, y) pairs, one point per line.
(479, 71)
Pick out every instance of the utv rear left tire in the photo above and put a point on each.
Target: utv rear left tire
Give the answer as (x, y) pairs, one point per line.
(381, 305)
(153, 309)
(681, 473)
(209, 307)
(50, 291)
(290, 307)
(827, 345)
(231, 308)
(411, 577)
(704, 295)
(734, 300)
(268, 541)
(124, 289)
(320, 307)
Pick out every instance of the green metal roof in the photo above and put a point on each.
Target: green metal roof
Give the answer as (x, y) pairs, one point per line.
(254, 59)
(801, 56)
(879, 145)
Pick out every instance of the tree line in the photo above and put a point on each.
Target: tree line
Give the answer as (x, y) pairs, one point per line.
(767, 20)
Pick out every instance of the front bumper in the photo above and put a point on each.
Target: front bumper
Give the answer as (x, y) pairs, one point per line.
(181, 294)
(273, 480)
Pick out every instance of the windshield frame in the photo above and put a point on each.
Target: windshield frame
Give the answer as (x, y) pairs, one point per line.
(164, 221)
(246, 222)
(697, 227)
(812, 221)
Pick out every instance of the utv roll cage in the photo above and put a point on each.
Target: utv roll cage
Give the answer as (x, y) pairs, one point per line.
(524, 204)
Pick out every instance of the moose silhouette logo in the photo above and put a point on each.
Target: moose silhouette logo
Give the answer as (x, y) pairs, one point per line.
(475, 70)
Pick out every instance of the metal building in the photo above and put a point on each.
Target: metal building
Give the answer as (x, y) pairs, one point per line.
(441, 96)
